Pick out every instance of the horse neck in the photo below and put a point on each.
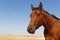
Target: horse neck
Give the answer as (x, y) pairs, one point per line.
(49, 21)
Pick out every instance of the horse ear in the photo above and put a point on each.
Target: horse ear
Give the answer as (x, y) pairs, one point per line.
(40, 6)
(32, 7)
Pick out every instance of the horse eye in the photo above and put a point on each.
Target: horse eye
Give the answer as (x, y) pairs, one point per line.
(38, 14)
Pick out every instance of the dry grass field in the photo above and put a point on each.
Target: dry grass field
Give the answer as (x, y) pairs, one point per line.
(20, 38)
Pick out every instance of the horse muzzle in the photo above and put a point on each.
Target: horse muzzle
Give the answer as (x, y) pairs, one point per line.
(31, 29)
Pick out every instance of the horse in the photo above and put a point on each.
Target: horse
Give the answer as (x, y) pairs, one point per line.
(50, 22)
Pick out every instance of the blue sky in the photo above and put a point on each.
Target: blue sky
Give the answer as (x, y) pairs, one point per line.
(15, 15)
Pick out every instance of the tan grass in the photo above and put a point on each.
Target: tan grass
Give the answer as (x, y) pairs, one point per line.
(20, 38)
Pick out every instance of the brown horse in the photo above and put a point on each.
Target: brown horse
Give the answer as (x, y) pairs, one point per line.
(50, 22)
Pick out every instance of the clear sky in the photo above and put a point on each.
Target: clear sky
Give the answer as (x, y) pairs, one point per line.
(14, 15)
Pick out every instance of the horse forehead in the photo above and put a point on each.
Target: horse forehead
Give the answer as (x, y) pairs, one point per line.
(36, 11)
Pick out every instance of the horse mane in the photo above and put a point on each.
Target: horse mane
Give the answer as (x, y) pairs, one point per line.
(51, 15)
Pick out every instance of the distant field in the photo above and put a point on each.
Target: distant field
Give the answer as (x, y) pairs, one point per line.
(20, 38)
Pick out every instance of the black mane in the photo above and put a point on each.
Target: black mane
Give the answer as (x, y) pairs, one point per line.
(52, 15)
(55, 17)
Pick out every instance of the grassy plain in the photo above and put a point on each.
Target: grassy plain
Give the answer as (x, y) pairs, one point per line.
(21, 38)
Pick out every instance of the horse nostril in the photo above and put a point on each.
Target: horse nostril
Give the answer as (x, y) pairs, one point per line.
(31, 30)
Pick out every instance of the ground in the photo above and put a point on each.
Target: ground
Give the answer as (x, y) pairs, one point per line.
(21, 38)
